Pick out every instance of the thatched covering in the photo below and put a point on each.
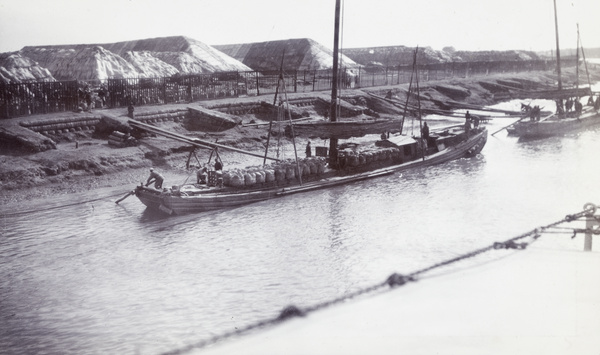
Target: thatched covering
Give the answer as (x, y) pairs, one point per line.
(149, 66)
(300, 54)
(198, 57)
(166, 56)
(15, 68)
(395, 55)
(486, 56)
(154, 57)
(87, 63)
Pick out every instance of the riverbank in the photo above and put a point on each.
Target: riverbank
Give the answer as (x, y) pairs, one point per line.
(81, 162)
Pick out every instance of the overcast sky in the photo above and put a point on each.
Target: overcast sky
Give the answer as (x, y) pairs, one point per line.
(463, 24)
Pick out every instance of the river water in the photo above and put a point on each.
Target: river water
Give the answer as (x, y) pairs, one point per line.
(86, 276)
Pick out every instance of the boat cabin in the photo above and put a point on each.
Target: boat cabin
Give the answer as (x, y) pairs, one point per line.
(410, 147)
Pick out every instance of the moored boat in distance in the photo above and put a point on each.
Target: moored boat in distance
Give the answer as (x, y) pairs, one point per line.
(570, 115)
(555, 125)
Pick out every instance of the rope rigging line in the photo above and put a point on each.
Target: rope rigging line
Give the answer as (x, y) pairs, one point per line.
(12, 214)
(393, 281)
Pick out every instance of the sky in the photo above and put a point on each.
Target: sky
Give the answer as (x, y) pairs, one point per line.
(462, 24)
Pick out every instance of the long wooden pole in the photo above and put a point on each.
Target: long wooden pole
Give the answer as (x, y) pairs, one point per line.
(577, 60)
(584, 60)
(274, 104)
(557, 48)
(196, 142)
(282, 81)
(408, 93)
(423, 144)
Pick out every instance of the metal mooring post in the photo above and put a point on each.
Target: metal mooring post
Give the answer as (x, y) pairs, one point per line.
(589, 225)
(590, 222)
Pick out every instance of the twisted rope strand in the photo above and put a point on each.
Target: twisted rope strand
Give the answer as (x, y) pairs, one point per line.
(392, 281)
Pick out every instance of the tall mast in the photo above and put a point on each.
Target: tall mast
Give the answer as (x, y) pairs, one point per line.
(584, 60)
(577, 60)
(557, 48)
(419, 104)
(336, 49)
(333, 142)
(408, 92)
(279, 81)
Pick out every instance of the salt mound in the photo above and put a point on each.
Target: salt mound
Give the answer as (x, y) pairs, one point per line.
(149, 66)
(154, 57)
(300, 54)
(15, 68)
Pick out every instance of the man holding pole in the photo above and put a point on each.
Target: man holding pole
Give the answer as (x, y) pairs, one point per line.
(158, 179)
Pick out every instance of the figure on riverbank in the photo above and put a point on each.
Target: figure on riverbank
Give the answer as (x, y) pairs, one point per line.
(308, 150)
(130, 110)
(102, 96)
(156, 177)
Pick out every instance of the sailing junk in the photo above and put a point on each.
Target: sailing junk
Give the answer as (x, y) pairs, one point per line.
(345, 163)
(564, 120)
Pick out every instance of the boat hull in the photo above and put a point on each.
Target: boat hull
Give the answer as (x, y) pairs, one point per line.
(555, 127)
(215, 198)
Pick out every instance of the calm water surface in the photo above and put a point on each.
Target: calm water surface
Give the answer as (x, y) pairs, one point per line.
(96, 278)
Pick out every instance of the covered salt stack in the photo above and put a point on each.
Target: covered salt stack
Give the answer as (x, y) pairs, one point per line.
(120, 140)
(16, 68)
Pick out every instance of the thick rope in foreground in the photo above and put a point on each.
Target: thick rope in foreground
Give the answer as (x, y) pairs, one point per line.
(394, 280)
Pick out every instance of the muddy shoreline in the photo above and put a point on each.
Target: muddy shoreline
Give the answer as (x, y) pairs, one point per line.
(82, 163)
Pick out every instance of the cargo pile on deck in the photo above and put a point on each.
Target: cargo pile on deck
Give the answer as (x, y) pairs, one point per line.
(281, 173)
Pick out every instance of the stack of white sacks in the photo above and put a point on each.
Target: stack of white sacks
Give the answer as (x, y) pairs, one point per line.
(281, 173)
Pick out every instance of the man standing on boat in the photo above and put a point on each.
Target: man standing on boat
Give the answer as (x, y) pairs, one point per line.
(578, 107)
(219, 170)
(202, 175)
(156, 177)
(218, 164)
(467, 123)
(425, 131)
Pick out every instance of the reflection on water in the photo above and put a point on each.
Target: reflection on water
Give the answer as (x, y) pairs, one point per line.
(95, 277)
